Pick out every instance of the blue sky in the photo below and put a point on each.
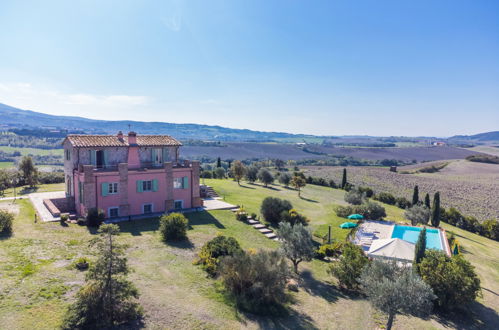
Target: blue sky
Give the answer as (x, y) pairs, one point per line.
(320, 67)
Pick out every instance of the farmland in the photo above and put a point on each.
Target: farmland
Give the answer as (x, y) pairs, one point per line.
(470, 187)
(316, 151)
(39, 280)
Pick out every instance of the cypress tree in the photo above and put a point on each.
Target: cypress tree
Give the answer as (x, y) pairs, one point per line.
(415, 195)
(219, 162)
(427, 200)
(344, 179)
(420, 248)
(435, 216)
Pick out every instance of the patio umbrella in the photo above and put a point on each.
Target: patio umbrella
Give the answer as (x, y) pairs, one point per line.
(348, 225)
(356, 216)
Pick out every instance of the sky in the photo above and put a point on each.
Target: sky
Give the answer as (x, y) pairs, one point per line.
(372, 67)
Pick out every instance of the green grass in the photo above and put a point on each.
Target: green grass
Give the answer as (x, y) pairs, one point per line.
(24, 190)
(316, 202)
(33, 151)
(38, 281)
(6, 164)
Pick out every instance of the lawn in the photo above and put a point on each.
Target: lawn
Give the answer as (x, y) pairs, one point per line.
(6, 164)
(37, 280)
(33, 151)
(24, 190)
(316, 202)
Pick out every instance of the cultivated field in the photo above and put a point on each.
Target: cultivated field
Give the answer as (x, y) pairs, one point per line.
(470, 187)
(292, 151)
(38, 280)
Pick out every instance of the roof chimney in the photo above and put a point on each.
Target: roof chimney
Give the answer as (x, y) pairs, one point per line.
(132, 138)
(120, 135)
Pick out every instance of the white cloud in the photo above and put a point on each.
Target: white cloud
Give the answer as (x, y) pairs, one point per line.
(51, 100)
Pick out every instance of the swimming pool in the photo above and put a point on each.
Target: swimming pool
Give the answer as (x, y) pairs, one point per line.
(411, 234)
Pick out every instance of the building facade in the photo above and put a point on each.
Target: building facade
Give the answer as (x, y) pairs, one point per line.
(128, 175)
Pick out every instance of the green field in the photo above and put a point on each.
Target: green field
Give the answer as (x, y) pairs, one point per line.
(38, 281)
(6, 165)
(33, 151)
(24, 190)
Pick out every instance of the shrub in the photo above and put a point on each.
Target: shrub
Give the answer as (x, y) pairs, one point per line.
(207, 174)
(256, 281)
(344, 211)
(213, 250)
(253, 215)
(219, 173)
(453, 280)
(293, 217)
(50, 177)
(241, 215)
(402, 202)
(332, 184)
(82, 263)
(95, 217)
(348, 269)
(6, 220)
(173, 227)
(385, 197)
(367, 191)
(355, 197)
(272, 208)
(418, 214)
(332, 250)
(370, 210)
(64, 217)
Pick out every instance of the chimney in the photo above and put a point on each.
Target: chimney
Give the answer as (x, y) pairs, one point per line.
(120, 135)
(132, 138)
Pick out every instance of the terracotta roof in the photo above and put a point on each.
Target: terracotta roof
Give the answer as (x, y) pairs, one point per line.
(84, 141)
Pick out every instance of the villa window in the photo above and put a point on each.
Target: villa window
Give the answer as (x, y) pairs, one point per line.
(114, 212)
(147, 185)
(113, 188)
(147, 208)
(178, 205)
(181, 183)
(67, 154)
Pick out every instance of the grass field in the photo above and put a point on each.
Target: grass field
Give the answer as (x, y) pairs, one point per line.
(33, 151)
(38, 281)
(6, 164)
(24, 190)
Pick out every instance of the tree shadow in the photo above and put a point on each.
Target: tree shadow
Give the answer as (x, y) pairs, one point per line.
(183, 244)
(203, 218)
(291, 319)
(490, 291)
(246, 187)
(28, 190)
(477, 316)
(321, 289)
(272, 188)
(138, 226)
(467, 238)
(308, 200)
(5, 235)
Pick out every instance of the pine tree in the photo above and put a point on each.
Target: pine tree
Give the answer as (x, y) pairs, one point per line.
(420, 249)
(107, 299)
(415, 195)
(435, 216)
(344, 179)
(427, 200)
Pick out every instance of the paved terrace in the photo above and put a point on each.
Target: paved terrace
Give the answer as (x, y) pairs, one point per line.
(371, 230)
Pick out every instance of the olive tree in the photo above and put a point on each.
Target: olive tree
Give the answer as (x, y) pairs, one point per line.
(396, 290)
(265, 176)
(418, 214)
(297, 243)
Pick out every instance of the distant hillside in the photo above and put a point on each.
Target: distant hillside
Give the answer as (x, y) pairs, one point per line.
(488, 136)
(14, 117)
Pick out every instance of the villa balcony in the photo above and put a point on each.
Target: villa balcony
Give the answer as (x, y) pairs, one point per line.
(143, 166)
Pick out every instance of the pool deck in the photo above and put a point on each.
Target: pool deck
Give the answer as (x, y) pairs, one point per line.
(371, 230)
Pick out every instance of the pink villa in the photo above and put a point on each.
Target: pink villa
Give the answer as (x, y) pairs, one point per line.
(128, 175)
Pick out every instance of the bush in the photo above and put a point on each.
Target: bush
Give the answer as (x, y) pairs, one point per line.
(82, 263)
(385, 197)
(241, 215)
(6, 220)
(344, 211)
(207, 174)
(219, 173)
(272, 208)
(367, 191)
(402, 202)
(95, 217)
(355, 197)
(256, 281)
(332, 250)
(293, 217)
(173, 227)
(213, 250)
(348, 269)
(370, 210)
(253, 215)
(453, 280)
(64, 217)
(50, 177)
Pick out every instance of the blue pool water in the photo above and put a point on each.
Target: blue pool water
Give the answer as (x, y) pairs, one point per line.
(411, 234)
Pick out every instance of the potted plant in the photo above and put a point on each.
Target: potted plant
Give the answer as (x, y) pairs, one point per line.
(82, 263)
